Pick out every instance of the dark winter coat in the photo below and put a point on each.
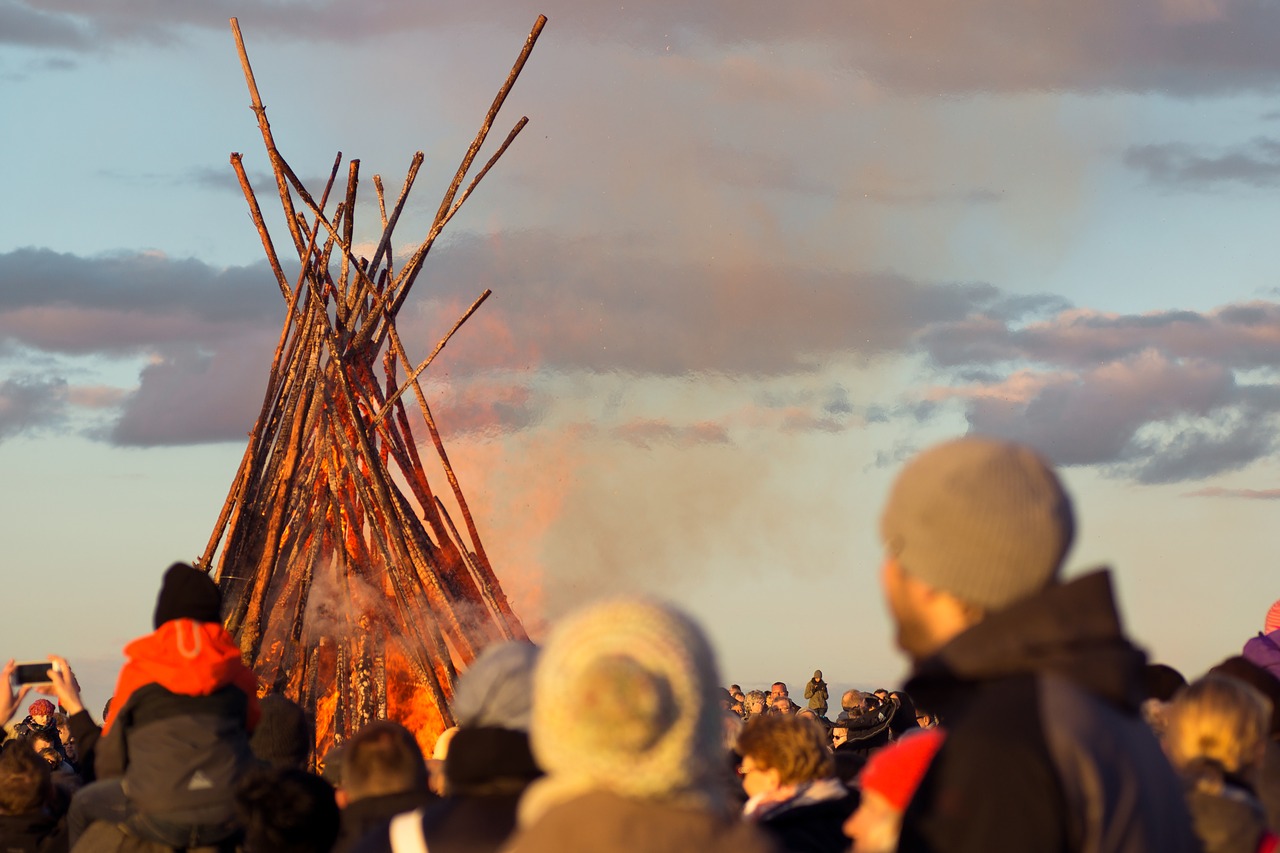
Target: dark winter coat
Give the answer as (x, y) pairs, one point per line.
(33, 832)
(812, 821)
(817, 694)
(1046, 750)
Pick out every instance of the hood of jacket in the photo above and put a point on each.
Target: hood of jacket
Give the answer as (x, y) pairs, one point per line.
(186, 656)
(1263, 651)
(1072, 629)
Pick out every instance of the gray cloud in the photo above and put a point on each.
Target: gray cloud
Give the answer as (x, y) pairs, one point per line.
(31, 403)
(1157, 397)
(996, 46)
(1183, 166)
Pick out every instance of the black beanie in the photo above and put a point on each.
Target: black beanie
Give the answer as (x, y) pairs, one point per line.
(187, 593)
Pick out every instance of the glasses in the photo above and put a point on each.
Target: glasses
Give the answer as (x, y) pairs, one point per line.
(744, 770)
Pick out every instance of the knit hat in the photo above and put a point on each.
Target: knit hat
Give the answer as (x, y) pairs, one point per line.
(624, 701)
(41, 708)
(1273, 619)
(283, 736)
(817, 673)
(895, 771)
(187, 593)
(497, 689)
(985, 520)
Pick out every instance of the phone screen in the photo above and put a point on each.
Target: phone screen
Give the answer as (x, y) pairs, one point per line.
(32, 673)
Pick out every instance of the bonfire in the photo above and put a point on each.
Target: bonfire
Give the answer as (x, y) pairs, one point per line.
(348, 584)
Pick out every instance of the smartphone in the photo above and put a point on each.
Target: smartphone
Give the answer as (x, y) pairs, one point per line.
(36, 672)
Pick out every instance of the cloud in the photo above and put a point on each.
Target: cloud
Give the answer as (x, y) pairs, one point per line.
(1178, 46)
(598, 304)
(1247, 494)
(1183, 166)
(646, 432)
(30, 403)
(1160, 397)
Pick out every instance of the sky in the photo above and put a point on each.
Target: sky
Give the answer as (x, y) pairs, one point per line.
(745, 259)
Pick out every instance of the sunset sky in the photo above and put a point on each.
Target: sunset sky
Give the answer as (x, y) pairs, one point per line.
(746, 258)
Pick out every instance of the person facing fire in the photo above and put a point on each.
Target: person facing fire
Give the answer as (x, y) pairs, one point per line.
(177, 738)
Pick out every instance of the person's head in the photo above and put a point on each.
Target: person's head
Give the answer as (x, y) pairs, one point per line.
(382, 758)
(284, 737)
(25, 781)
(851, 701)
(287, 809)
(64, 735)
(187, 593)
(1219, 723)
(46, 746)
(817, 675)
(881, 694)
(889, 781)
(41, 712)
(778, 689)
(755, 702)
(497, 689)
(625, 701)
(839, 735)
(971, 527)
(783, 705)
(781, 751)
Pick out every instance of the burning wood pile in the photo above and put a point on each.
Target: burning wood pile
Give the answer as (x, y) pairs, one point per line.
(346, 581)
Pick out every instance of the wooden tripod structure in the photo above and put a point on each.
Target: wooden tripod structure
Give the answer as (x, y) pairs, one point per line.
(345, 580)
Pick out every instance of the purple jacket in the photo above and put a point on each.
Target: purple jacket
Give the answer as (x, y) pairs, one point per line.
(1264, 651)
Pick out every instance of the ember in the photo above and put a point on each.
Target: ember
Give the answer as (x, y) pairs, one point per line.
(348, 594)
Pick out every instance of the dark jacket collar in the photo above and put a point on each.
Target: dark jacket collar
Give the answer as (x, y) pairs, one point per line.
(1072, 629)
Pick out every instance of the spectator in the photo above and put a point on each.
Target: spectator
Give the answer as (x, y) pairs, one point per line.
(383, 775)
(284, 737)
(285, 809)
(888, 782)
(1162, 683)
(788, 776)
(815, 690)
(852, 704)
(29, 817)
(40, 721)
(1035, 678)
(488, 764)
(783, 705)
(177, 740)
(755, 704)
(902, 716)
(1216, 731)
(626, 726)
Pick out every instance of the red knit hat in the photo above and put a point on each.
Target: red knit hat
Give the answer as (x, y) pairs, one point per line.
(1273, 619)
(41, 707)
(895, 771)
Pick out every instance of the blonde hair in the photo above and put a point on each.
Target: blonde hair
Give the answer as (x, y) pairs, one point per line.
(1217, 720)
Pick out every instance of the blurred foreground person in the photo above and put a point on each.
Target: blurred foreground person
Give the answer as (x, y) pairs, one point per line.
(789, 777)
(888, 781)
(383, 774)
(1038, 685)
(626, 725)
(1216, 729)
(285, 809)
(31, 818)
(488, 764)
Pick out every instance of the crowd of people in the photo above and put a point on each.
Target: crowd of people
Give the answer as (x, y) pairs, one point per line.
(1030, 722)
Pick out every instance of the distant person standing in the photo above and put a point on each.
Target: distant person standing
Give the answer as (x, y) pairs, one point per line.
(1038, 685)
(815, 690)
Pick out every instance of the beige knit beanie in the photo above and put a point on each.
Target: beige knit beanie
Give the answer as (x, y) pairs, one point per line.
(985, 520)
(624, 701)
